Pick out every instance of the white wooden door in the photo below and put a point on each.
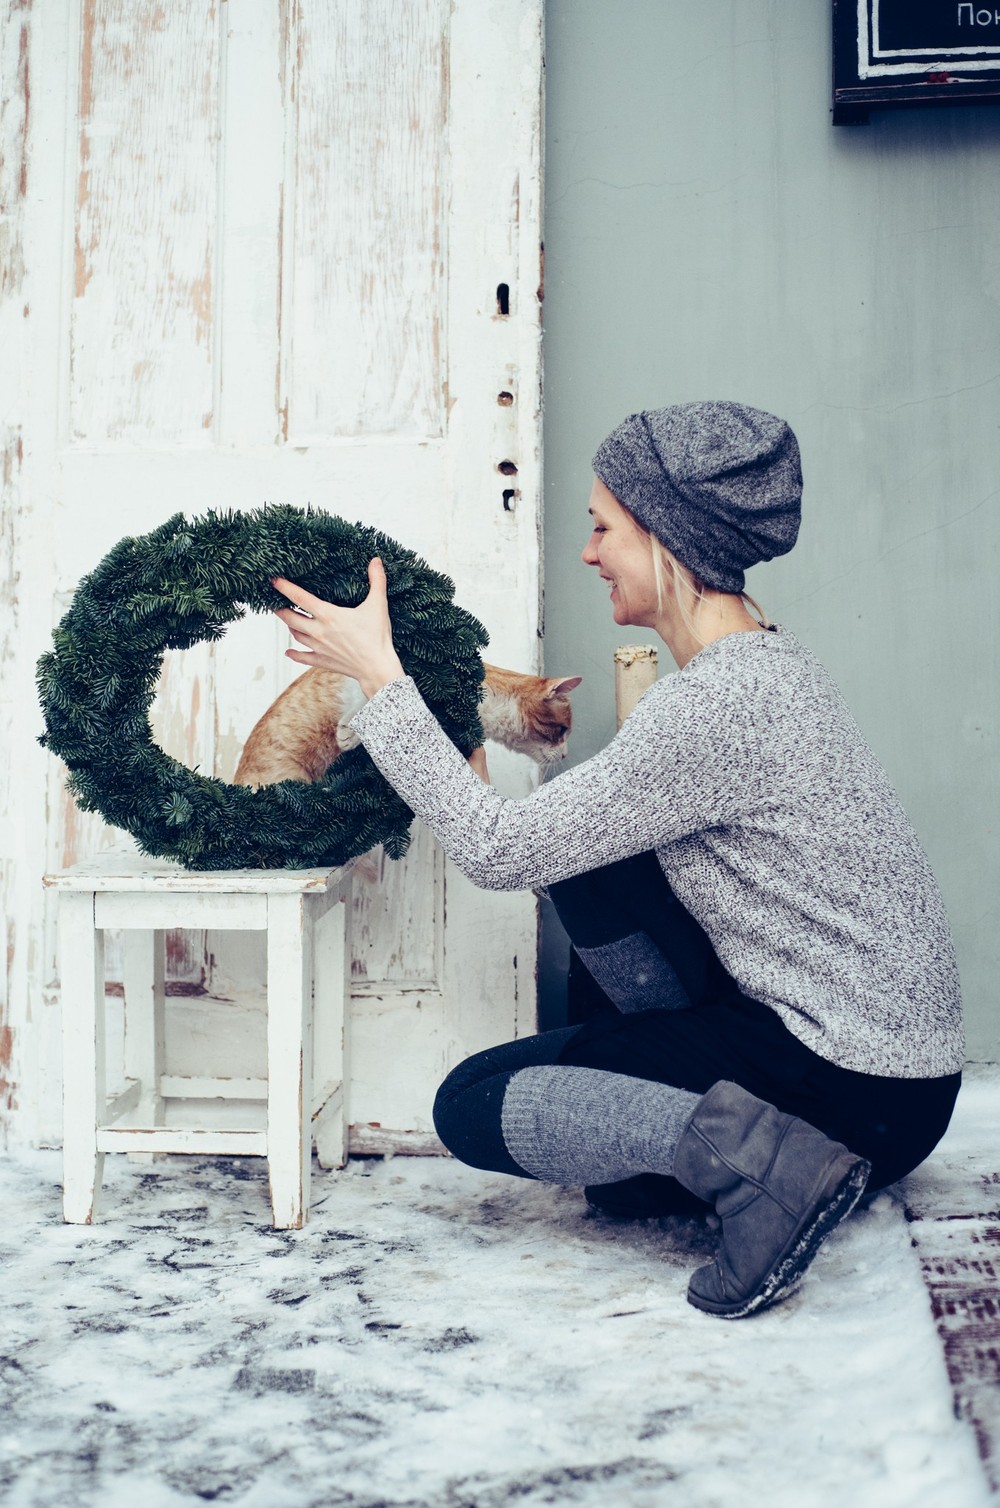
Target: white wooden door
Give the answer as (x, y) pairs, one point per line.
(273, 252)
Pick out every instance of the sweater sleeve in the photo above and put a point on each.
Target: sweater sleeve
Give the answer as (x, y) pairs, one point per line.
(677, 765)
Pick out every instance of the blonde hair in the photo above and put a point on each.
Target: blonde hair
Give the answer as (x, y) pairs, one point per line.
(688, 589)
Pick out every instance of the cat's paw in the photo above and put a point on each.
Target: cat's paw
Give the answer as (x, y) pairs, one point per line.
(346, 736)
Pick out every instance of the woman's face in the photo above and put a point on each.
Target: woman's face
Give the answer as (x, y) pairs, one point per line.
(623, 557)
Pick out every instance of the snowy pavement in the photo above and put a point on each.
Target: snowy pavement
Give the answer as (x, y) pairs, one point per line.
(952, 1207)
(442, 1338)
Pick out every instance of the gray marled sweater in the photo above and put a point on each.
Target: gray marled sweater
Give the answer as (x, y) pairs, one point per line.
(773, 821)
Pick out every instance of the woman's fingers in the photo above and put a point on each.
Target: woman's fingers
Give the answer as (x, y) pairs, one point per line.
(296, 594)
(299, 628)
(354, 641)
(297, 622)
(301, 638)
(377, 587)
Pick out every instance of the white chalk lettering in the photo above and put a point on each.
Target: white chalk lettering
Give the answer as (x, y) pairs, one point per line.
(961, 8)
(980, 14)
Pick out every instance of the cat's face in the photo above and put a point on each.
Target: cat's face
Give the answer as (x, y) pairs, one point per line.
(530, 714)
(548, 718)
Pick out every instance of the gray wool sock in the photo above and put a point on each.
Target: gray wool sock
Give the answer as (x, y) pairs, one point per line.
(571, 1125)
(634, 974)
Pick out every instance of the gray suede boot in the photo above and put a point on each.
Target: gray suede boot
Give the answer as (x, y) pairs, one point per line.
(779, 1187)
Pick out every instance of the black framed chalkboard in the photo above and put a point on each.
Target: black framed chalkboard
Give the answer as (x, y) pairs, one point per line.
(894, 53)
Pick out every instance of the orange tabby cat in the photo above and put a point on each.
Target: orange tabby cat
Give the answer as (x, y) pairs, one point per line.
(301, 734)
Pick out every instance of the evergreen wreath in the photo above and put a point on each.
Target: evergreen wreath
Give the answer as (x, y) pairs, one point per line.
(185, 582)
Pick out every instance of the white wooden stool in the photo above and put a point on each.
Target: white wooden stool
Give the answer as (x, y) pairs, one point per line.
(145, 897)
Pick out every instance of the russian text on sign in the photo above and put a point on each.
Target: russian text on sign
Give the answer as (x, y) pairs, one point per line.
(978, 17)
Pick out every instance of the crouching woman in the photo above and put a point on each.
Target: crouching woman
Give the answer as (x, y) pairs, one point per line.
(735, 870)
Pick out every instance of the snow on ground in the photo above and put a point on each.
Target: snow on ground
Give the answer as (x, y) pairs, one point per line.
(442, 1338)
(961, 1178)
(952, 1215)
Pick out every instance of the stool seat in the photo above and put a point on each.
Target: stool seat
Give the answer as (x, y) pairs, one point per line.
(303, 913)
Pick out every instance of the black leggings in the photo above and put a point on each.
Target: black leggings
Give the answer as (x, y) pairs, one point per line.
(723, 1034)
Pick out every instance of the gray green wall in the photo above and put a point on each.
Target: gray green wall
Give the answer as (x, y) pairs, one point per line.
(710, 234)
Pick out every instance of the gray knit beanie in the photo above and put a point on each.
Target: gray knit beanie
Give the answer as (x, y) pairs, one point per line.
(719, 483)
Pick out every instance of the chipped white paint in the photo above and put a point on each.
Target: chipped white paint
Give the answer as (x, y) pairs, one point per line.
(198, 1140)
(147, 898)
(243, 913)
(19, 786)
(144, 1047)
(190, 1087)
(146, 876)
(141, 337)
(84, 1081)
(364, 219)
(332, 1077)
(14, 911)
(217, 321)
(635, 672)
(289, 1058)
(397, 923)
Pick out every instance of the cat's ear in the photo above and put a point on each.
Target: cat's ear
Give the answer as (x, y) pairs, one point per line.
(559, 688)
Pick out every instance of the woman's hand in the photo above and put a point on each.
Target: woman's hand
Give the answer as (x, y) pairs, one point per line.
(477, 759)
(355, 641)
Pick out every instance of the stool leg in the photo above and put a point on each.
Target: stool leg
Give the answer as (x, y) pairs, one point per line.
(144, 1023)
(289, 1058)
(81, 969)
(330, 997)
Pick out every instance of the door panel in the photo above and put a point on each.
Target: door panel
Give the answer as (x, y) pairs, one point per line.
(266, 270)
(141, 343)
(362, 351)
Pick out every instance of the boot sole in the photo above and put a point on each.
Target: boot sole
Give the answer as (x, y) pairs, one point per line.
(785, 1276)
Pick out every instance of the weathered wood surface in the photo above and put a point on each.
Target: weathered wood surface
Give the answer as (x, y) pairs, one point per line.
(201, 1141)
(144, 1049)
(128, 873)
(397, 922)
(363, 351)
(16, 975)
(189, 1087)
(84, 1067)
(259, 250)
(289, 1058)
(141, 337)
(331, 1041)
(952, 1204)
(236, 913)
(141, 1117)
